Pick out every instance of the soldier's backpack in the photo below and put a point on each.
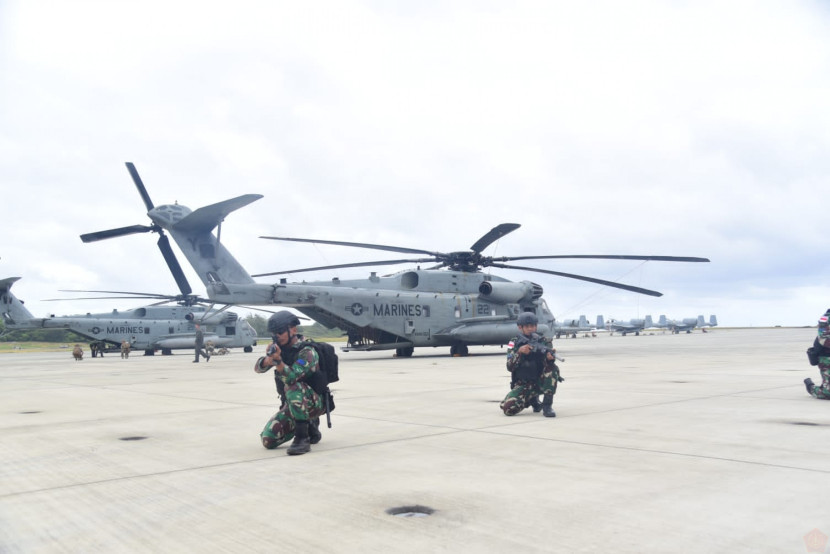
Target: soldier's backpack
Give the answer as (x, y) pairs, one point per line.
(326, 373)
(329, 362)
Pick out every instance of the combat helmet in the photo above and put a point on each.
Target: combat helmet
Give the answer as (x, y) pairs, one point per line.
(527, 318)
(279, 322)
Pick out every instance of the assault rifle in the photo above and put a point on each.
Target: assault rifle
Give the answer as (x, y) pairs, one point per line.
(537, 345)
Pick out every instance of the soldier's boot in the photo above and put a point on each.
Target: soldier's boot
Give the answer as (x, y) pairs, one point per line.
(810, 385)
(301, 443)
(314, 434)
(534, 403)
(547, 406)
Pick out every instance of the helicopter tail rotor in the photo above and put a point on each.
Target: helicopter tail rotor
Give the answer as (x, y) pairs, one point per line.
(173, 264)
(163, 242)
(120, 232)
(139, 184)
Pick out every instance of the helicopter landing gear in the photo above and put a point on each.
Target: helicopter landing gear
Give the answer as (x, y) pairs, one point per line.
(404, 352)
(248, 349)
(460, 350)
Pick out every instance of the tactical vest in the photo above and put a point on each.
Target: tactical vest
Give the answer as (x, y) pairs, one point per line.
(530, 368)
(821, 350)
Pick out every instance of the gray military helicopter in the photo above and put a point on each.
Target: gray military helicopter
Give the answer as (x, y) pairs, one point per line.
(451, 304)
(149, 328)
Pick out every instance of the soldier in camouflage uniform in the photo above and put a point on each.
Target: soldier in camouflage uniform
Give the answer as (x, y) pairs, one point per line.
(294, 363)
(533, 373)
(821, 351)
(200, 343)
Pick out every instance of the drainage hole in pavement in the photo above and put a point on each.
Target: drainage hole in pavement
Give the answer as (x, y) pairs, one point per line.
(410, 511)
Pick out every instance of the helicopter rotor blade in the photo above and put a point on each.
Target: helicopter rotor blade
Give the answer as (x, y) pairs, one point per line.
(173, 264)
(604, 257)
(140, 186)
(341, 266)
(493, 235)
(399, 249)
(119, 232)
(187, 299)
(147, 294)
(584, 278)
(102, 298)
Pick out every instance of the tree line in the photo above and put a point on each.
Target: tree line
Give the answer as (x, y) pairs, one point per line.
(314, 331)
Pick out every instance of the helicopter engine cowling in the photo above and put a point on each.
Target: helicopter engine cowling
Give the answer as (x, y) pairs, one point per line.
(507, 292)
(220, 318)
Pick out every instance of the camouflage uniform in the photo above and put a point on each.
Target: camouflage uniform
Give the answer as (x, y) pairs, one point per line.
(822, 346)
(526, 386)
(298, 399)
(200, 342)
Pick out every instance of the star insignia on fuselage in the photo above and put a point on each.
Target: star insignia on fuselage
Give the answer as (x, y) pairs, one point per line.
(356, 308)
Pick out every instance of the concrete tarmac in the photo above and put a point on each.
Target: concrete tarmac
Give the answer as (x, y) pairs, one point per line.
(702, 442)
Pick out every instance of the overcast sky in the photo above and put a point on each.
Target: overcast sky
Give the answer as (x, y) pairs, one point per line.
(643, 127)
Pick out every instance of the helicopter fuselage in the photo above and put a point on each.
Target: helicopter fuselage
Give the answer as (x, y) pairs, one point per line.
(405, 309)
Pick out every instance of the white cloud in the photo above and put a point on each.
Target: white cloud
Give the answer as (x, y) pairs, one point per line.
(649, 128)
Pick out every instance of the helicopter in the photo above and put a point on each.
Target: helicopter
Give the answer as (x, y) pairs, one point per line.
(149, 328)
(452, 303)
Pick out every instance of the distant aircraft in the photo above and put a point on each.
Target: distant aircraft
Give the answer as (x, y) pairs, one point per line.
(572, 327)
(713, 321)
(676, 326)
(149, 328)
(624, 327)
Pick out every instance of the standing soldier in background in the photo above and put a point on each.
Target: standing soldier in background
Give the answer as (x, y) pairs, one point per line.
(295, 364)
(819, 354)
(125, 349)
(200, 342)
(530, 359)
